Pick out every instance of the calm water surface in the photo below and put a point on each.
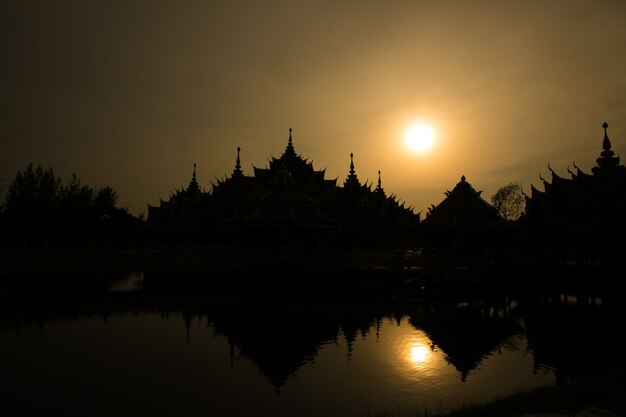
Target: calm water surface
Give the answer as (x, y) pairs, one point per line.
(130, 350)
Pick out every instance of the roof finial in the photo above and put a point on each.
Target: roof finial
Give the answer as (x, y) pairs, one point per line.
(237, 171)
(379, 188)
(351, 163)
(462, 177)
(289, 150)
(606, 143)
(607, 160)
(193, 184)
(352, 179)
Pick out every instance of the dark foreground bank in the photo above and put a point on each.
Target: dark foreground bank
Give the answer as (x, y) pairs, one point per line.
(600, 397)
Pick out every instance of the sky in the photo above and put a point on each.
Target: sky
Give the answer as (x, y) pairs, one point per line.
(131, 94)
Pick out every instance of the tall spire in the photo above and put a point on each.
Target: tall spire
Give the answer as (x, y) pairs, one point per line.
(193, 184)
(606, 143)
(351, 163)
(607, 161)
(352, 180)
(379, 187)
(237, 171)
(290, 151)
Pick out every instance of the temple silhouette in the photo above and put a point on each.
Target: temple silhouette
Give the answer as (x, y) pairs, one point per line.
(290, 211)
(578, 221)
(289, 204)
(593, 202)
(463, 223)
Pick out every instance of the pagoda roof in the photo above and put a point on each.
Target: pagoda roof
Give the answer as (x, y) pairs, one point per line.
(585, 201)
(463, 208)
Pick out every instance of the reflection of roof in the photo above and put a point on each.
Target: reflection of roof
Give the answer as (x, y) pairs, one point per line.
(463, 208)
(466, 336)
(280, 334)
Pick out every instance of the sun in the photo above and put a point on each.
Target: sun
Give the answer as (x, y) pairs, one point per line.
(420, 137)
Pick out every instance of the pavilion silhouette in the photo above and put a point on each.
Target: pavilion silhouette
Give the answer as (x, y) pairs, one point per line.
(288, 204)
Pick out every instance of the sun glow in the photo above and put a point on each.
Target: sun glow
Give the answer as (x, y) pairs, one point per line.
(419, 353)
(420, 137)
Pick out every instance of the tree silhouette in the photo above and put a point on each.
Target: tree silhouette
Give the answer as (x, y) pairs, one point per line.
(40, 209)
(105, 201)
(509, 200)
(33, 191)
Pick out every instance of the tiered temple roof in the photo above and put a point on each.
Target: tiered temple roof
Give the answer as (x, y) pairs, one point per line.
(463, 223)
(593, 202)
(291, 203)
(463, 208)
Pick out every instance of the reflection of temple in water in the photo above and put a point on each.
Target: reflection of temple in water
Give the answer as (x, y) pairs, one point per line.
(289, 203)
(279, 334)
(467, 334)
(564, 335)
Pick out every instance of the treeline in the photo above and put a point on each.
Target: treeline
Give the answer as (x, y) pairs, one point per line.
(41, 210)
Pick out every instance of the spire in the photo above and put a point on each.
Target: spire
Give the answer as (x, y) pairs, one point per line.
(606, 143)
(290, 151)
(193, 184)
(379, 187)
(237, 171)
(607, 161)
(352, 180)
(351, 163)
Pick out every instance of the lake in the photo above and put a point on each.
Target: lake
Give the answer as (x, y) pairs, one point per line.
(165, 343)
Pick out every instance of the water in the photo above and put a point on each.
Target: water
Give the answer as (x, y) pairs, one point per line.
(103, 345)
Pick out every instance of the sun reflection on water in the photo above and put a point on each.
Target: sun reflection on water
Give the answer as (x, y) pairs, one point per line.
(418, 358)
(419, 353)
(419, 365)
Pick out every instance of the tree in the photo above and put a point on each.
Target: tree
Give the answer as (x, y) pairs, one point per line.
(105, 201)
(75, 197)
(41, 209)
(33, 192)
(510, 201)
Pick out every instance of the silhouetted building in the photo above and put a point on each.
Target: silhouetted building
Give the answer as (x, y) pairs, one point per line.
(580, 221)
(289, 204)
(463, 223)
(593, 202)
(187, 213)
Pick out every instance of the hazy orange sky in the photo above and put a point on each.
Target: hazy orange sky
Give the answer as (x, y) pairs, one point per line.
(132, 93)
